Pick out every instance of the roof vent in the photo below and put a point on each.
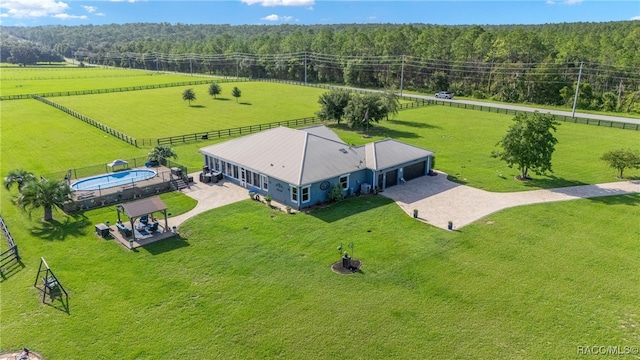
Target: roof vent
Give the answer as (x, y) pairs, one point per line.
(344, 151)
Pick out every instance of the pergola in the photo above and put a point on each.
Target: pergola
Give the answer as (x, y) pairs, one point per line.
(136, 209)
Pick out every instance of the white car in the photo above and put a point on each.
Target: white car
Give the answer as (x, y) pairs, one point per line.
(444, 95)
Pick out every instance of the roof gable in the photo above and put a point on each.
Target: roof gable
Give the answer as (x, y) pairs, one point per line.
(305, 156)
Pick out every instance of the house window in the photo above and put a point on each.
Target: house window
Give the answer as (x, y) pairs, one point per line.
(230, 170)
(306, 194)
(249, 177)
(235, 171)
(344, 181)
(216, 164)
(265, 182)
(294, 194)
(256, 180)
(223, 167)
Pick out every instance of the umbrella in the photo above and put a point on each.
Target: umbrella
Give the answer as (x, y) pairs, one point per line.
(117, 162)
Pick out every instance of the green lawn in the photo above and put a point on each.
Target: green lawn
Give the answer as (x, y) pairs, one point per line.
(245, 282)
(464, 139)
(17, 81)
(162, 112)
(528, 282)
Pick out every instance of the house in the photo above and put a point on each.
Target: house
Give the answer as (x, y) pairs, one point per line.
(299, 167)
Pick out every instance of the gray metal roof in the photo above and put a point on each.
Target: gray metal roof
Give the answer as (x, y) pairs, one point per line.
(142, 207)
(387, 153)
(308, 155)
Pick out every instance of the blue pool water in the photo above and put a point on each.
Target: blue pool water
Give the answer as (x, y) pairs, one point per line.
(120, 178)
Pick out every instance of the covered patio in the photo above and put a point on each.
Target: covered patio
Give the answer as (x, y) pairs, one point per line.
(143, 227)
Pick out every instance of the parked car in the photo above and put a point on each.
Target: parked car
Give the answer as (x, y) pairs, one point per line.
(444, 95)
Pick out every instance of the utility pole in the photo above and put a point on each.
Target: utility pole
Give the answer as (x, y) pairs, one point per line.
(619, 91)
(402, 75)
(575, 98)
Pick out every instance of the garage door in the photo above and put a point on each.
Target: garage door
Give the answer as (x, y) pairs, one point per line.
(414, 171)
(391, 178)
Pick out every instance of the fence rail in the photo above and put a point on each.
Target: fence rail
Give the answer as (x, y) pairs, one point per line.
(10, 255)
(215, 134)
(124, 137)
(111, 90)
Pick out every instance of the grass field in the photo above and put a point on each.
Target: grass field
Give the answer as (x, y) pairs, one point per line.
(162, 112)
(244, 281)
(18, 81)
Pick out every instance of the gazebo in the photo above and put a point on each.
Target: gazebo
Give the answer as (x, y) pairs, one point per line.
(137, 209)
(117, 162)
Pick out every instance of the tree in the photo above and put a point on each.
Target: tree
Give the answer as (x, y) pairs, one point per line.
(161, 152)
(391, 102)
(19, 177)
(364, 108)
(44, 193)
(333, 104)
(189, 95)
(622, 159)
(214, 89)
(529, 144)
(236, 93)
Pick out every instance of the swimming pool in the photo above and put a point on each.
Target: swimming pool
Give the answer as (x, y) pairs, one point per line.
(119, 178)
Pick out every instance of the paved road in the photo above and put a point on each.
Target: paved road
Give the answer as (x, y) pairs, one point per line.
(526, 108)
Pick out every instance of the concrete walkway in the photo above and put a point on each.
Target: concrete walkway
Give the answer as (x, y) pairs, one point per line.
(439, 200)
(209, 196)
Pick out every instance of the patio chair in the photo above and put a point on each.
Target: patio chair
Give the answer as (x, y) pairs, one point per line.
(144, 219)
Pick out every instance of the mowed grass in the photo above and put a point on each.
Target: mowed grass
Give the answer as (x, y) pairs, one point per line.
(245, 281)
(18, 81)
(162, 112)
(463, 141)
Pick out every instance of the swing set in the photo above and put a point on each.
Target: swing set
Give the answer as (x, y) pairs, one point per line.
(50, 284)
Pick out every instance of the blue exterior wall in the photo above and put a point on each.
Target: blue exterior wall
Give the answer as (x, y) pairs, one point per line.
(280, 191)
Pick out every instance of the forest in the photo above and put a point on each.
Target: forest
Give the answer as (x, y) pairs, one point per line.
(538, 64)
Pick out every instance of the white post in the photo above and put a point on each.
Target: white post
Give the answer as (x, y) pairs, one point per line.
(575, 98)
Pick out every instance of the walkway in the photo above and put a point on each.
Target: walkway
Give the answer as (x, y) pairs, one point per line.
(209, 196)
(439, 200)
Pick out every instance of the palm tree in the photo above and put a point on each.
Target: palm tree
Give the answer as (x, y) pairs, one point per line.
(161, 152)
(18, 176)
(214, 89)
(44, 193)
(189, 95)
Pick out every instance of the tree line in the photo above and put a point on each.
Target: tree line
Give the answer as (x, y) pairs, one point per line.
(515, 63)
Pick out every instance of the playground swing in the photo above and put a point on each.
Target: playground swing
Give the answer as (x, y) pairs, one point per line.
(50, 284)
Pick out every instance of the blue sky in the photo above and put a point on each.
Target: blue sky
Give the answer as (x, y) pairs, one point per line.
(307, 12)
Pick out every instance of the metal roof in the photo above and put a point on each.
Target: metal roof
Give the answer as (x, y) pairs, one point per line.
(308, 155)
(142, 207)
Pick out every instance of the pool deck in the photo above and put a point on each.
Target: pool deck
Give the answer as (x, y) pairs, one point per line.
(147, 186)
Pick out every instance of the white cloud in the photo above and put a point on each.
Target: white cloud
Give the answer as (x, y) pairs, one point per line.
(274, 17)
(100, 14)
(90, 9)
(67, 16)
(564, 2)
(635, 18)
(32, 8)
(279, 2)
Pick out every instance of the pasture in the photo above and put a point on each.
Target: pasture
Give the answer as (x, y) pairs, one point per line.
(162, 112)
(244, 281)
(19, 81)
